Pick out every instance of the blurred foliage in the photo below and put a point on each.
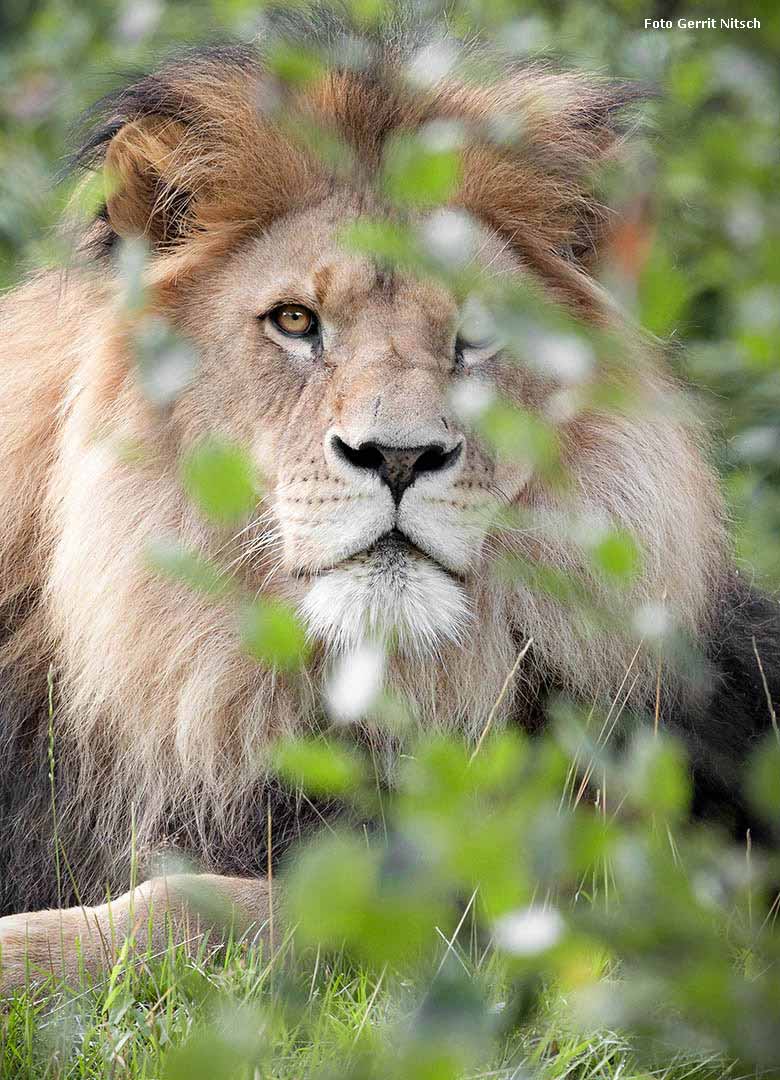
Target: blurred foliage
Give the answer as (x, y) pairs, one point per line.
(491, 880)
(494, 923)
(218, 478)
(702, 201)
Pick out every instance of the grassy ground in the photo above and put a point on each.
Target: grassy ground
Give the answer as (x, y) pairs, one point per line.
(233, 1013)
(459, 1011)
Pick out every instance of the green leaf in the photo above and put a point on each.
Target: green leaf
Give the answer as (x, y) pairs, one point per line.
(664, 293)
(379, 901)
(232, 1046)
(368, 13)
(520, 435)
(416, 175)
(167, 363)
(617, 555)
(169, 558)
(330, 890)
(657, 776)
(205, 1056)
(132, 258)
(763, 779)
(92, 194)
(321, 768)
(500, 761)
(380, 239)
(271, 632)
(295, 65)
(219, 478)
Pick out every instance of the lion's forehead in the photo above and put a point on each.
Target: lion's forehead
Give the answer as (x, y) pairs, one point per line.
(308, 256)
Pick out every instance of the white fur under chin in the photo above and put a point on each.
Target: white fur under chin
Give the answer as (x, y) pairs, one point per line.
(387, 595)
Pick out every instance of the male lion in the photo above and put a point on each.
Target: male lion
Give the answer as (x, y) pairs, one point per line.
(379, 507)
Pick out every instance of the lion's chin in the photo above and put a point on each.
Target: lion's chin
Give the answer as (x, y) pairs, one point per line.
(391, 594)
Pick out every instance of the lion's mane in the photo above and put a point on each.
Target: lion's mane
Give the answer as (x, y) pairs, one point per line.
(126, 708)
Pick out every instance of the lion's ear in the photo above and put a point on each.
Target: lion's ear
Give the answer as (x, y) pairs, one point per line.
(542, 191)
(147, 181)
(599, 127)
(192, 162)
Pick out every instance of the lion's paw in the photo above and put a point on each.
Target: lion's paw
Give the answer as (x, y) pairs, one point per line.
(35, 946)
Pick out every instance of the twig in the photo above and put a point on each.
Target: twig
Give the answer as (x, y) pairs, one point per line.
(500, 698)
(772, 712)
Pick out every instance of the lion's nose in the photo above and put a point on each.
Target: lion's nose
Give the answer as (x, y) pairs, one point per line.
(397, 466)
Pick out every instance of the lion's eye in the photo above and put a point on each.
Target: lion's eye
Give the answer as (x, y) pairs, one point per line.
(468, 353)
(294, 320)
(477, 338)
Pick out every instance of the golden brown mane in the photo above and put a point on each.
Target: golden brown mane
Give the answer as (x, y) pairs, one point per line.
(149, 724)
(216, 146)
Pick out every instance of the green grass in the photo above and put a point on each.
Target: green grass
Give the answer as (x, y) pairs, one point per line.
(233, 1013)
(666, 962)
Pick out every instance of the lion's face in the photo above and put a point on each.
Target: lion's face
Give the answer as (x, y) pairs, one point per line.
(340, 376)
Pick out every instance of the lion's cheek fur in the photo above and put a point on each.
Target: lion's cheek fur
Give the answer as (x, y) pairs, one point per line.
(643, 474)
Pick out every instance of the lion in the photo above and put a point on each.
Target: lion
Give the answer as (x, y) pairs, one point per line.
(132, 719)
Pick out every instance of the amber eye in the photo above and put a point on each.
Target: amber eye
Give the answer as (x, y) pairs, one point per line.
(293, 320)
